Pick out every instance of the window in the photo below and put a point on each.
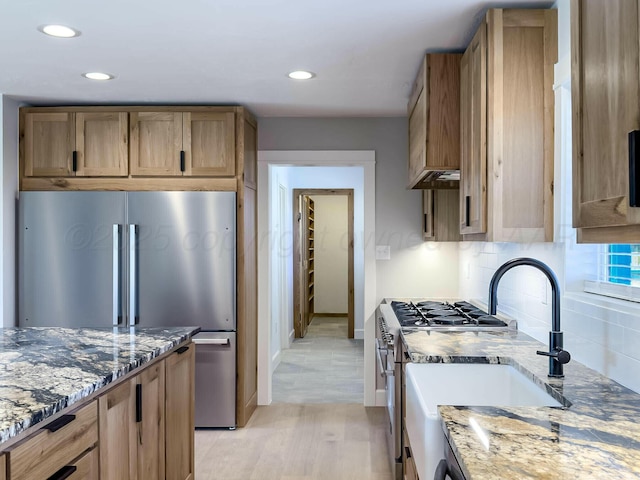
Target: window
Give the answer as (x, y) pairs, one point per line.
(621, 264)
(618, 272)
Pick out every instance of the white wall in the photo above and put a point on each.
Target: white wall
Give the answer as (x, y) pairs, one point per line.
(9, 149)
(331, 254)
(599, 332)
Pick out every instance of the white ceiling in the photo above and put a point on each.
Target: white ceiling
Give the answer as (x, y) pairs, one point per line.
(365, 52)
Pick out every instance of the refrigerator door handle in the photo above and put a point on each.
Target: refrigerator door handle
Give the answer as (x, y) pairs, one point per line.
(133, 285)
(211, 341)
(116, 276)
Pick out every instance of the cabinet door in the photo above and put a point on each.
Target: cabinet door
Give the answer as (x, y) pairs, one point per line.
(117, 425)
(102, 144)
(473, 135)
(49, 142)
(150, 427)
(179, 411)
(209, 143)
(605, 89)
(418, 134)
(156, 143)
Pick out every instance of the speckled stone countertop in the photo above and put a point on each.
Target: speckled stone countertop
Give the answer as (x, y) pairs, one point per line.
(43, 370)
(596, 437)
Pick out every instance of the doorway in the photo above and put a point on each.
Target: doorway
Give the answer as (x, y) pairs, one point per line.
(323, 257)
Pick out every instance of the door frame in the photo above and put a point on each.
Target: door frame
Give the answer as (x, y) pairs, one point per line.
(301, 294)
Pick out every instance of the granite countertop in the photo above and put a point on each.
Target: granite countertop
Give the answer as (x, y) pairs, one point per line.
(597, 436)
(43, 370)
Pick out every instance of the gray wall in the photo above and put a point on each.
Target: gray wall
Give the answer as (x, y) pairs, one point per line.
(416, 268)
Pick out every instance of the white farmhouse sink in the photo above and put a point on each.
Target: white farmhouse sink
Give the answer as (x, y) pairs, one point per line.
(431, 384)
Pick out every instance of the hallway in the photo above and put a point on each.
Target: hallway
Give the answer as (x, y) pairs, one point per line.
(323, 367)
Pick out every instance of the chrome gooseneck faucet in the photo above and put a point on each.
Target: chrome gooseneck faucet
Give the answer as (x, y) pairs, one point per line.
(557, 356)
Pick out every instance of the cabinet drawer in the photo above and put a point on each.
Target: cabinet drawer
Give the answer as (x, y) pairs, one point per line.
(84, 468)
(46, 452)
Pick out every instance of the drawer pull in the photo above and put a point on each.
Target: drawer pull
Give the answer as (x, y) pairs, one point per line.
(182, 163)
(74, 161)
(64, 472)
(181, 350)
(407, 452)
(60, 422)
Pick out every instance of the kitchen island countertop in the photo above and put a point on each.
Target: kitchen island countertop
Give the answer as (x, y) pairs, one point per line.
(597, 436)
(44, 370)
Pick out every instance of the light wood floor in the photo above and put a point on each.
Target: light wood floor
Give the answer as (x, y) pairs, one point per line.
(298, 442)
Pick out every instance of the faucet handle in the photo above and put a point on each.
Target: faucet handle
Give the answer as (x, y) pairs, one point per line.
(562, 356)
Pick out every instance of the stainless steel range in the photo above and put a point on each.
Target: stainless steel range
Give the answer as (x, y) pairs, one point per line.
(418, 314)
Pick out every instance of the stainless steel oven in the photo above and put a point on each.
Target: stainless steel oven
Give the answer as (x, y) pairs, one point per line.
(389, 368)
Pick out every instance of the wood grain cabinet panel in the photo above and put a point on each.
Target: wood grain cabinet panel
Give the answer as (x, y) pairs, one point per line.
(183, 144)
(209, 143)
(155, 143)
(605, 89)
(102, 144)
(51, 449)
(507, 105)
(48, 142)
(434, 119)
(179, 407)
(117, 420)
(441, 215)
(150, 428)
(86, 467)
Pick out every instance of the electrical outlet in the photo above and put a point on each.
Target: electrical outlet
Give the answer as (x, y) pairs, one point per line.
(383, 252)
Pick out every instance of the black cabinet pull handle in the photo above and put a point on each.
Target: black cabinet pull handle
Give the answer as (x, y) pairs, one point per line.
(60, 422)
(181, 350)
(407, 452)
(182, 160)
(64, 472)
(634, 168)
(138, 403)
(467, 201)
(74, 161)
(425, 223)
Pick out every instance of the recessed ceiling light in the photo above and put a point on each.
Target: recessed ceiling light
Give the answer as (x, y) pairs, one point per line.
(301, 75)
(60, 31)
(98, 76)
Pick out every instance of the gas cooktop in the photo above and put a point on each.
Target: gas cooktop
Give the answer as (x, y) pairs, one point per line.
(435, 314)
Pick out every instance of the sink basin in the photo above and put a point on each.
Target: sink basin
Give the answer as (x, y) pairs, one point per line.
(431, 384)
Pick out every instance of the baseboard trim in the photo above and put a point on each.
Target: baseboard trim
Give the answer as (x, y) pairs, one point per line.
(358, 334)
(292, 336)
(381, 397)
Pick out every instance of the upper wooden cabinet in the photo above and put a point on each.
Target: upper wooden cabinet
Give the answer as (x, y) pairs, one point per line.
(605, 89)
(102, 144)
(182, 143)
(434, 120)
(441, 215)
(75, 144)
(506, 189)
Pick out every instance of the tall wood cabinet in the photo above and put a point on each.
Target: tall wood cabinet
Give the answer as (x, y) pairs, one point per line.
(506, 125)
(199, 148)
(434, 120)
(605, 90)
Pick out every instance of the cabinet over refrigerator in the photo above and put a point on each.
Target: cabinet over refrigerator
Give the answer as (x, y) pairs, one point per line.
(153, 259)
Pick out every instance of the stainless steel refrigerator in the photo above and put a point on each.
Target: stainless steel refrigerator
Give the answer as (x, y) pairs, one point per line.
(96, 259)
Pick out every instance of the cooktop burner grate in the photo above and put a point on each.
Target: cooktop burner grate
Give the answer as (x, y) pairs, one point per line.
(443, 314)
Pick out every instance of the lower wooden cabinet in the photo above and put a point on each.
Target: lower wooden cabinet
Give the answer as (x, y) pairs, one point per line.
(179, 404)
(84, 468)
(56, 446)
(410, 471)
(117, 418)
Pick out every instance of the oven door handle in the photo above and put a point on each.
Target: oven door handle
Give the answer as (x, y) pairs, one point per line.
(379, 352)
